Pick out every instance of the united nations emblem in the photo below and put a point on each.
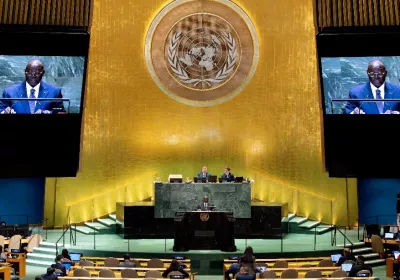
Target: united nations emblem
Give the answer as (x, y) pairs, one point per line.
(204, 217)
(198, 57)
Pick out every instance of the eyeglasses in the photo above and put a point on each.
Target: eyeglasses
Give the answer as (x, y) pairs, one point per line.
(379, 75)
(30, 74)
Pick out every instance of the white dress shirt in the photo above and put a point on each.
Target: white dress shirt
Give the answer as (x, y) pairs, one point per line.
(381, 88)
(36, 88)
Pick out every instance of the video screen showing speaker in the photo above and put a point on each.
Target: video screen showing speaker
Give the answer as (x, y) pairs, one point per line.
(359, 73)
(42, 86)
(361, 85)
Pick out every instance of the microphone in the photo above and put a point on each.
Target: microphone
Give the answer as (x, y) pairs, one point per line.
(362, 103)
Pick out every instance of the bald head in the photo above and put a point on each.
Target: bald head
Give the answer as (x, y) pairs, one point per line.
(376, 72)
(34, 72)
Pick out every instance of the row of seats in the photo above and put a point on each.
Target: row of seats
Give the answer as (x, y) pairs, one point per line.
(125, 273)
(286, 263)
(16, 240)
(105, 278)
(293, 273)
(110, 262)
(114, 262)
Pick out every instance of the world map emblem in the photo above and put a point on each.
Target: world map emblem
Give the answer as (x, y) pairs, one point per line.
(197, 56)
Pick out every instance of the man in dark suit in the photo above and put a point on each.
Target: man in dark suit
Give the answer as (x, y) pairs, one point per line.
(50, 275)
(127, 262)
(32, 87)
(359, 266)
(244, 274)
(227, 175)
(204, 173)
(376, 88)
(205, 206)
(347, 256)
(59, 265)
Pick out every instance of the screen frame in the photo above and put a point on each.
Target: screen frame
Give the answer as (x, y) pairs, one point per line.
(353, 42)
(57, 137)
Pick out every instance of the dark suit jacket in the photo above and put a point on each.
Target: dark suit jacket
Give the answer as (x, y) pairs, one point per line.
(167, 271)
(357, 268)
(203, 208)
(60, 267)
(364, 91)
(230, 177)
(200, 175)
(50, 276)
(22, 107)
(345, 258)
(245, 277)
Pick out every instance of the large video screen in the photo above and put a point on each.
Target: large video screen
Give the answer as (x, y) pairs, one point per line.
(41, 84)
(361, 85)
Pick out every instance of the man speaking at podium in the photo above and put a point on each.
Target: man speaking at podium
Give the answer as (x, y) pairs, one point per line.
(205, 206)
(32, 87)
(376, 88)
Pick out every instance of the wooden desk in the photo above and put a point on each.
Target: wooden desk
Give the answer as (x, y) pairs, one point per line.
(19, 264)
(5, 272)
(23, 241)
(283, 259)
(385, 241)
(95, 269)
(98, 278)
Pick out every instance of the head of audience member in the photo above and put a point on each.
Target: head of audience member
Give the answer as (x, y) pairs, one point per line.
(376, 72)
(204, 169)
(34, 72)
(174, 266)
(346, 252)
(50, 270)
(360, 260)
(227, 170)
(244, 270)
(38, 277)
(248, 255)
(205, 199)
(127, 258)
(59, 259)
(65, 253)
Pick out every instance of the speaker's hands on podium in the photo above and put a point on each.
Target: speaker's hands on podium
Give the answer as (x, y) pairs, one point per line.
(357, 111)
(40, 111)
(391, 112)
(8, 110)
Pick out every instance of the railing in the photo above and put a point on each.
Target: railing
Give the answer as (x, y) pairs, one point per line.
(92, 208)
(345, 238)
(299, 202)
(39, 228)
(66, 228)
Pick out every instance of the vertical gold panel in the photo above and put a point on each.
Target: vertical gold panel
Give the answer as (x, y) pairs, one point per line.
(335, 13)
(355, 13)
(319, 12)
(396, 12)
(382, 10)
(133, 131)
(391, 12)
(329, 12)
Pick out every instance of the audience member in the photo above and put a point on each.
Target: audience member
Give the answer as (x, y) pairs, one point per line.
(59, 265)
(347, 256)
(248, 260)
(244, 274)
(358, 266)
(127, 262)
(39, 277)
(174, 266)
(50, 275)
(65, 254)
(233, 269)
(3, 255)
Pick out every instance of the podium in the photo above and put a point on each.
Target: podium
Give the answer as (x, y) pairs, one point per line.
(199, 230)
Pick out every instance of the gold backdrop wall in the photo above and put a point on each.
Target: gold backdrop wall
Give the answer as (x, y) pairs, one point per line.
(271, 132)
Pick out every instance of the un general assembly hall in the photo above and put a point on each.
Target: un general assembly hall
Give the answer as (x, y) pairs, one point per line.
(199, 139)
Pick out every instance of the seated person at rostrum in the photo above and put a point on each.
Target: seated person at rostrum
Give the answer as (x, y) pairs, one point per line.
(347, 256)
(204, 173)
(127, 262)
(3, 255)
(244, 274)
(358, 266)
(227, 175)
(205, 206)
(50, 275)
(174, 266)
(59, 265)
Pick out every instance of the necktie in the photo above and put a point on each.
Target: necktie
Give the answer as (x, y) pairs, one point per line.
(32, 103)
